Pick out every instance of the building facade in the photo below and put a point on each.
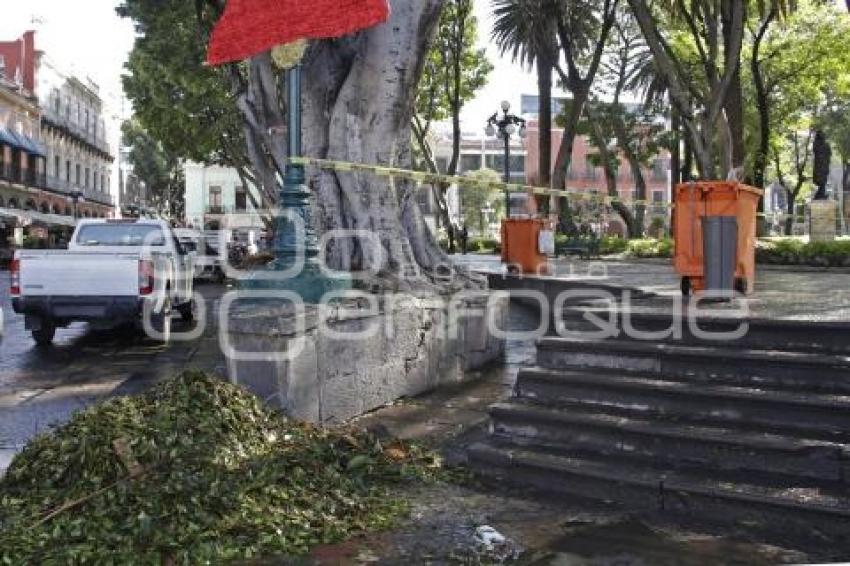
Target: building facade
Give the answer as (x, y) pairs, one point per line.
(132, 192)
(216, 199)
(73, 130)
(584, 176)
(477, 152)
(55, 157)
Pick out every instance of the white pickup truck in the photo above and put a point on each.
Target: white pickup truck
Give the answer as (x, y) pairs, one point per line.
(114, 271)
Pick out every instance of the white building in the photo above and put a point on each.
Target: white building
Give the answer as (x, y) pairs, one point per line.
(74, 132)
(477, 152)
(216, 199)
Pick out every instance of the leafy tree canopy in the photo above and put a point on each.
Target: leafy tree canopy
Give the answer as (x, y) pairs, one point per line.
(179, 101)
(160, 171)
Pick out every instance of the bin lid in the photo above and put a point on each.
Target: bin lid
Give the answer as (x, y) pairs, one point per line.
(719, 186)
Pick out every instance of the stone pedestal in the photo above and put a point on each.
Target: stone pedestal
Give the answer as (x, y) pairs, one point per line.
(822, 218)
(328, 364)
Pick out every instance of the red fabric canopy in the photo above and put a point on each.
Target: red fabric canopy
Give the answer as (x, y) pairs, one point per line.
(249, 27)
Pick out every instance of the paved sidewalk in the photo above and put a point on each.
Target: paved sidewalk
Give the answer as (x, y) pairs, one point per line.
(779, 294)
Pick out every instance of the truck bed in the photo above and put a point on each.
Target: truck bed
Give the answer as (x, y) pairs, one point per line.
(79, 274)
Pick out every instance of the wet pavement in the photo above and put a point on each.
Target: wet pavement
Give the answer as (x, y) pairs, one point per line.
(43, 386)
(780, 293)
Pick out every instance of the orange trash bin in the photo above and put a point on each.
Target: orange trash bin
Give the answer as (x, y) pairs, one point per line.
(521, 245)
(696, 200)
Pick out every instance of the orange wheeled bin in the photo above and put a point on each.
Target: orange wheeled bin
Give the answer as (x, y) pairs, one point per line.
(521, 245)
(695, 201)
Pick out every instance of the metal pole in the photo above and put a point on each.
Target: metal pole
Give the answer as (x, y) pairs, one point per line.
(507, 172)
(295, 236)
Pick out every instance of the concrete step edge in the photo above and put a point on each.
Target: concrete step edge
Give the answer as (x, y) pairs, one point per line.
(783, 443)
(690, 352)
(616, 379)
(676, 482)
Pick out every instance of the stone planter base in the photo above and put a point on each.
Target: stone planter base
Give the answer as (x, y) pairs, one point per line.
(328, 364)
(822, 217)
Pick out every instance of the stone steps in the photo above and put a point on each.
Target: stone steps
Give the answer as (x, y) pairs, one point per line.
(671, 443)
(792, 511)
(798, 371)
(750, 430)
(831, 337)
(815, 416)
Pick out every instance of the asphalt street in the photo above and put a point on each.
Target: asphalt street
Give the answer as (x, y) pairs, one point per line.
(43, 386)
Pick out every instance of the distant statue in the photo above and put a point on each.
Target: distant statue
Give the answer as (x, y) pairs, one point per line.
(823, 159)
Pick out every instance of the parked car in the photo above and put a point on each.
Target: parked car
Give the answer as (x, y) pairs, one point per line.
(114, 271)
(208, 262)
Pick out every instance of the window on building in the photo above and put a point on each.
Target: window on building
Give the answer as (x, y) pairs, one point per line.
(68, 171)
(57, 166)
(659, 170)
(56, 101)
(94, 180)
(102, 182)
(2, 66)
(87, 178)
(241, 203)
(470, 163)
(215, 197)
(78, 171)
(67, 108)
(442, 164)
(658, 196)
(87, 119)
(517, 164)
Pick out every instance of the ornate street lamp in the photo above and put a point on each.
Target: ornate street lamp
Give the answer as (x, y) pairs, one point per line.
(504, 127)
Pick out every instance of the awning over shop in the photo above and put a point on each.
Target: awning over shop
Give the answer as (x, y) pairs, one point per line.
(22, 141)
(27, 217)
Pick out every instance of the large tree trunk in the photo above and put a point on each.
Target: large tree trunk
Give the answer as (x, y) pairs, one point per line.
(357, 104)
(734, 102)
(565, 151)
(789, 211)
(675, 151)
(608, 160)
(544, 87)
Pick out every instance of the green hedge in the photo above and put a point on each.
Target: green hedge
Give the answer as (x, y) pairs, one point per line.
(650, 247)
(794, 251)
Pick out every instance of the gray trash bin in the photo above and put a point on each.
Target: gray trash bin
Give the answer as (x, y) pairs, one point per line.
(720, 252)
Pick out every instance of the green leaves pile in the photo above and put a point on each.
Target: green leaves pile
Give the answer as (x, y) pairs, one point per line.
(195, 470)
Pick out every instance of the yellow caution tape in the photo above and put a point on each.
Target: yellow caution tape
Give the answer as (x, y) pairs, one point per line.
(594, 197)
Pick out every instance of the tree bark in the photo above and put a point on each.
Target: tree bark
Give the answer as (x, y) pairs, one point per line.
(357, 102)
(565, 151)
(544, 87)
(675, 151)
(734, 102)
(608, 160)
(684, 91)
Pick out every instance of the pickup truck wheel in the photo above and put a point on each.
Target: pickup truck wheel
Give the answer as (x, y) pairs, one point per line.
(161, 321)
(44, 335)
(187, 311)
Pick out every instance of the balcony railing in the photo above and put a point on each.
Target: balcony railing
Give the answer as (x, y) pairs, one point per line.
(94, 138)
(218, 209)
(14, 173)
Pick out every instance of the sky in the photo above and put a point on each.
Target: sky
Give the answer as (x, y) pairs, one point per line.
(88, 38)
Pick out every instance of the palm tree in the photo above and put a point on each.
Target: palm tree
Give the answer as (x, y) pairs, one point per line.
(527, 29)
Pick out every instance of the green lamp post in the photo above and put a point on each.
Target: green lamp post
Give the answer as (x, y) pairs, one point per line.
(296, 265)
(247, 28)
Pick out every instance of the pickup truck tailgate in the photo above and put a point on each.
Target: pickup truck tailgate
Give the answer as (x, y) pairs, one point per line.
(79, 274)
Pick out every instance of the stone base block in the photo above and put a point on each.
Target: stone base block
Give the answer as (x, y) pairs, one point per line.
(328, 364)
(822, 218)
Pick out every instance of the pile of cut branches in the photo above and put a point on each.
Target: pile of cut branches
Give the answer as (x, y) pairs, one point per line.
(195, 470)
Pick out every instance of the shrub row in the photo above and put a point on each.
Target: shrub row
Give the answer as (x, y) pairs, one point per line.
(792, 251)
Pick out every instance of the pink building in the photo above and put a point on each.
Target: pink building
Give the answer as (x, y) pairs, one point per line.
(583, 176)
